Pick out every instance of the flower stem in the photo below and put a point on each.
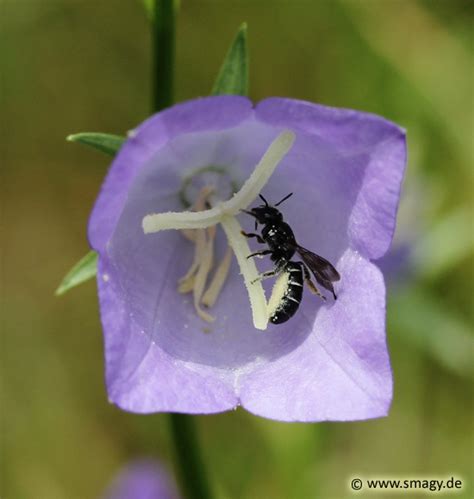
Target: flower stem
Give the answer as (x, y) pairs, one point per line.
(163, 54)
(190, 470)
(192, 477)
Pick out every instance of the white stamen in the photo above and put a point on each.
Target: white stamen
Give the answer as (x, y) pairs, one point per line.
(199, 238)
(187, 286)
(198, 255)
(210, 296)
(189, 234)
(201, 276)
(195, 278)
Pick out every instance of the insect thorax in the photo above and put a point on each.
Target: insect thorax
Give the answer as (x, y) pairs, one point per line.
(280, 240)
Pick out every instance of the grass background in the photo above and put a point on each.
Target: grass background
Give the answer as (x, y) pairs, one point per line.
(71, 66)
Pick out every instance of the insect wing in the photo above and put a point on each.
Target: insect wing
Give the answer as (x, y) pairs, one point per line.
(319, 264)
(323, 271)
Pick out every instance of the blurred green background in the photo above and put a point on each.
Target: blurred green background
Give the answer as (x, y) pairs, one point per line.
(72, 66)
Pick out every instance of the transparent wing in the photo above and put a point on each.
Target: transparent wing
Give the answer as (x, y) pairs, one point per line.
(323, 271)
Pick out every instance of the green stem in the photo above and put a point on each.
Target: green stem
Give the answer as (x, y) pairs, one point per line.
(192, 476)
(163, 53)
(190, 469)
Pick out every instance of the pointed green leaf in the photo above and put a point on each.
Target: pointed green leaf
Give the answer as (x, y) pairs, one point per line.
(85, 269)
(104, 142)
(234, 73)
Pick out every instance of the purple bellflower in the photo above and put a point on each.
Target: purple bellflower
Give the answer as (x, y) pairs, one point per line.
(164, 352)
(142, 479)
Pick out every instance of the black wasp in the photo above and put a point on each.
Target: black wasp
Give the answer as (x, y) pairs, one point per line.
(279, 237)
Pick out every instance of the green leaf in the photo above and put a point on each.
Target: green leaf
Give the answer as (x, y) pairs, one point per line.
(104, 142)
(85, 269)
(234, 73)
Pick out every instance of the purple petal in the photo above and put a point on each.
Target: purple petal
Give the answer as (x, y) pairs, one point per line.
(146, 141)
(142, 377)
(144, 479)
(373, 158)
(341, 371)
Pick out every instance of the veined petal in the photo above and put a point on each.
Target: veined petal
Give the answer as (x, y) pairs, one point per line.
(144, 144)
(141, 376)
(372, 153)
(341, 371)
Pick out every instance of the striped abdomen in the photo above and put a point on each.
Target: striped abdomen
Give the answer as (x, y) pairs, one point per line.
(286, 294)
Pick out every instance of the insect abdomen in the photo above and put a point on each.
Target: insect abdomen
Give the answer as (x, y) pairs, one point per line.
(286, 294)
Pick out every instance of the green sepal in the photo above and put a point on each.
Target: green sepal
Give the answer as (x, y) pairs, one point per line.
(234, 73)
(104, 142)
(85, 269)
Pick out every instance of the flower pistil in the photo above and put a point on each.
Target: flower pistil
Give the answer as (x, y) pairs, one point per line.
(224, 213)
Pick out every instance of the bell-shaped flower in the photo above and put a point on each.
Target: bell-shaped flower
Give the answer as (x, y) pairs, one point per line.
(181, 334)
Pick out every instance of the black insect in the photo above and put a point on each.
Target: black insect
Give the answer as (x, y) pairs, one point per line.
(282, 245)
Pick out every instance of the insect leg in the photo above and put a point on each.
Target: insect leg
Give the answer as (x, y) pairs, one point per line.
(249, 235)
(261, 254)
(266, 275)
(309, 282)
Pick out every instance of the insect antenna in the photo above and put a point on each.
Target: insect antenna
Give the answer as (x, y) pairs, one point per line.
(284, 199)
(263, 199)
(248, 212)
